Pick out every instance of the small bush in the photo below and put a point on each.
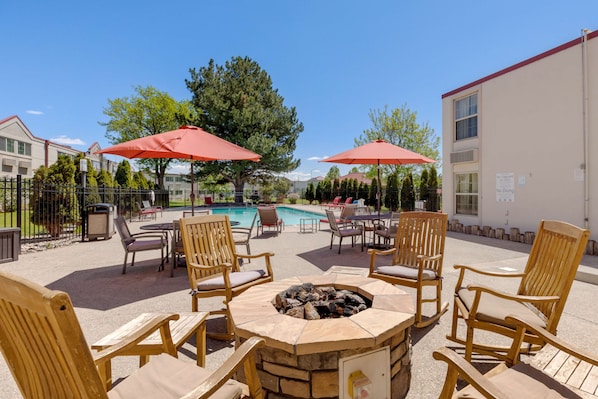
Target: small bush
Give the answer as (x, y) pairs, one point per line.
(293, 198)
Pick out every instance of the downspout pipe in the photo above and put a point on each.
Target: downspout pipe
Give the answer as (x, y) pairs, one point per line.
(585, 127)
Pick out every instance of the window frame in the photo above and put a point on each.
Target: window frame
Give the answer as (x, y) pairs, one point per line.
(471, 191)
(470, 117)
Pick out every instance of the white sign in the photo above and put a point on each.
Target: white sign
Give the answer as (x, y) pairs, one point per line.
(505, 187)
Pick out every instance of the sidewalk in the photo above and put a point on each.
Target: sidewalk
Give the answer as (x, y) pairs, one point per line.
(105, 299)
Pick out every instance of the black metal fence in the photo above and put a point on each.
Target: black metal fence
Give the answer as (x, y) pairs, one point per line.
(48, 211)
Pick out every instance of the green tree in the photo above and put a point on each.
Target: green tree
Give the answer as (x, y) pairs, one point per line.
(407, 194)
(423, 186)
(373, 196)
(148, 112)
(433, 203)
(53, 200)
(92, 195)
(333, 173)
(400, 127)
(310, 193)
(391, 199)
(140, 182)
(123, 175)
(238, 103)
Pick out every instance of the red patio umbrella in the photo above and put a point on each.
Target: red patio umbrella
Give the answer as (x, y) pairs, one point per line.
(187, 142)
(379, 152)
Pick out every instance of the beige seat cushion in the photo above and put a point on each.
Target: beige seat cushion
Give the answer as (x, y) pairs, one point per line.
(236, 279)
(524, 381)
(142, 245)
(166, 377)
(406, 272)
(494, 309)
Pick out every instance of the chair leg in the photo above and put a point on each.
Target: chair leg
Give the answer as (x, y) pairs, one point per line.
(340, 242)
(125, 262)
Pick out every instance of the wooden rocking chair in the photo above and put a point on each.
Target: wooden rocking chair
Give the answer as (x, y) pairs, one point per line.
(540, 299)
(213, 264)
(516, 379)
(43, 345)
(416, 260)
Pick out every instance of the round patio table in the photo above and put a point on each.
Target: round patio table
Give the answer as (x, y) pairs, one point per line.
(369, 218)
(168, 226)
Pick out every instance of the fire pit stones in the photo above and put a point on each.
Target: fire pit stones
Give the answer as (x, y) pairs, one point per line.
(301, 356)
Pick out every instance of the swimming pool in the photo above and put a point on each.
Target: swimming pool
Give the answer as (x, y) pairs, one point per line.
(290, 215)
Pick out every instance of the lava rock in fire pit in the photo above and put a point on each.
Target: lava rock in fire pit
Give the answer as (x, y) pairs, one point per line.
(310, 302)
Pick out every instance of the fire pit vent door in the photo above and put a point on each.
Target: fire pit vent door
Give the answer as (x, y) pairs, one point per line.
(375, 365)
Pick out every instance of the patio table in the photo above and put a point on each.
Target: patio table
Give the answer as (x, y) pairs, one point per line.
(365, 219)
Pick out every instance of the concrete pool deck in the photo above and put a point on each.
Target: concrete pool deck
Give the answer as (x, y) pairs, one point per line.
(106, 299)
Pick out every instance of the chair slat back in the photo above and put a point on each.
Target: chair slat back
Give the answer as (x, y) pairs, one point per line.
(208, 241)
(268, 215)
(552, 265)
(332, 222)
(43, 344)
(123, 230)
(420, 233)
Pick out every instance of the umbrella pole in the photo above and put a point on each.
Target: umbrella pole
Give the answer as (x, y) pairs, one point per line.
(192, 195)
(379, 184)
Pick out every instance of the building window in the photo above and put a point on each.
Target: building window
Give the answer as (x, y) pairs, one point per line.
(24, 148)
(466, 194)
(466, 117)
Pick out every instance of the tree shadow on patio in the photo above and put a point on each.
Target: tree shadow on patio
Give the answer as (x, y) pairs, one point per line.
(107, 288)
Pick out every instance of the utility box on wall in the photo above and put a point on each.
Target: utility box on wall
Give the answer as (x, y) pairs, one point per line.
(366, 374)
(10, 244)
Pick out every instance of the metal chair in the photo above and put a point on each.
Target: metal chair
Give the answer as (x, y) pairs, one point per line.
(354, 231)
(242, 235)
(133, 243)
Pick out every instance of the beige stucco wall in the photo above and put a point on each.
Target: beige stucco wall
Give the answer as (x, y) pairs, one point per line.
(530, 124)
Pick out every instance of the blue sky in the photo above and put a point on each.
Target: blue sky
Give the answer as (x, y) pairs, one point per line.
(332, 60)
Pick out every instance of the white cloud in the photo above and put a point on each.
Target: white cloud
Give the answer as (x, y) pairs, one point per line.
(67, 140)
(317, 158)
(33, 112)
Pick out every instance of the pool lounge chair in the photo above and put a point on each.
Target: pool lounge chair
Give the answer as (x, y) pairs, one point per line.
(335, 202)
(269, 218)
(348, 201)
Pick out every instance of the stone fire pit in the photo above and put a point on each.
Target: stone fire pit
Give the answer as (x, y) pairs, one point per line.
(301, 357)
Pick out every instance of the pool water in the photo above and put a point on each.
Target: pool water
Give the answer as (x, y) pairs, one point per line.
(290, 216)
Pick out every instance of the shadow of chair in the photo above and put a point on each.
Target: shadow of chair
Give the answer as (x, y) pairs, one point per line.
(342, 232)
(516, 379)
(138, 242)
(48, 355)
(417, 259)
(242, 235)
(269, 218)
(213, 264)
(540, 298)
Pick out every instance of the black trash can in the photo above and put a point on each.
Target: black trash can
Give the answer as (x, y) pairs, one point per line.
(100, 221)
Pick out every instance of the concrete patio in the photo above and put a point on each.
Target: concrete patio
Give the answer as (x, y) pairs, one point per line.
(105, 299)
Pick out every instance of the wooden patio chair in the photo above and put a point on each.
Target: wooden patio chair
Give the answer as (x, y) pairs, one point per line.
(242, 235)
(45, 349)
(138, 242)
(540, 298)
(269, 218)
(417, 259)
(342, 232)
(516, 379)
(213, 264)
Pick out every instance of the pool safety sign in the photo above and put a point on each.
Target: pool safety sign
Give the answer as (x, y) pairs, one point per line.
(505, 187)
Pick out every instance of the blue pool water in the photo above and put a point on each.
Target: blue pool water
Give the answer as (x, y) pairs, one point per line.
(290, 216)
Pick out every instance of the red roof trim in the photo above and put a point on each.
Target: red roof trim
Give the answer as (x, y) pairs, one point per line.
(521, 64)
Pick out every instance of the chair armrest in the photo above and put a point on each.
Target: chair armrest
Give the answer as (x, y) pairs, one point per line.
(265, 255)
(458, 367)
(147, 235)
(243, 356)
(374, 252)
(463, 268)
(518, 298)
(157, 321)
(552, 339)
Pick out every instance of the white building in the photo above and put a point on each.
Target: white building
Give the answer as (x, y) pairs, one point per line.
(521, 145)
(21, 152)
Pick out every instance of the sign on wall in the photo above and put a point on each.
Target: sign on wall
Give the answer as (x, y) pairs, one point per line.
(505, 187)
